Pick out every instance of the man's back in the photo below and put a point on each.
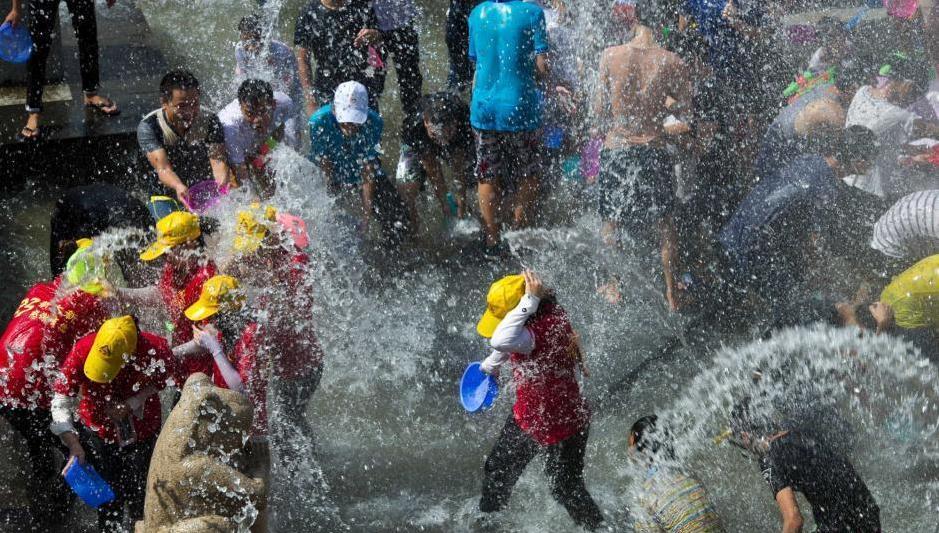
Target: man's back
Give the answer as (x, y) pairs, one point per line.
(504, 39)
(635, 82)
(840, 500)
(764, 219)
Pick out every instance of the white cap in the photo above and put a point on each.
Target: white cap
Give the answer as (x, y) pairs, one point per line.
(351, 103)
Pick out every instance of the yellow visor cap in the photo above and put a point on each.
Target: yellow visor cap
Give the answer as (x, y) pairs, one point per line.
(114, 344)
(250, 231)
(178, 227)
(219, 293)
(503, 296)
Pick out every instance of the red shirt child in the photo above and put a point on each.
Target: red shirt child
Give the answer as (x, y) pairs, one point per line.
(152, 365)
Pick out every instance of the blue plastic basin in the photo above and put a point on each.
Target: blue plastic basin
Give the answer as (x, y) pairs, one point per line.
(477, 389)
(15, 43)
(88, 484)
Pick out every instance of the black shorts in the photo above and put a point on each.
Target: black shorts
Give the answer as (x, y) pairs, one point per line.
(636, 185)
(505, 158)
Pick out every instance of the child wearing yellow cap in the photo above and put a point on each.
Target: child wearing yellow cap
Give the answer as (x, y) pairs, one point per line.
(110, 379)
(185, 269)
(526, 325)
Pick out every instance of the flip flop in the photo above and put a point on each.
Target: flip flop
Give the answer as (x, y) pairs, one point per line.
(34, 135)
(102, 105)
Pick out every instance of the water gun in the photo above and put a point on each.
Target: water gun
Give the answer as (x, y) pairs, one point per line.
(807, 81)
(260, 160)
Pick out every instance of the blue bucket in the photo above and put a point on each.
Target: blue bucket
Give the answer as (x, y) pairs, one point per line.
(88, 484)
(15, 43)
(477, 389)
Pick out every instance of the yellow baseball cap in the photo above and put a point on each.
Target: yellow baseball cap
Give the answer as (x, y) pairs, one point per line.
(252, 227)
(174, 229)
(115, 342)
(503, 296)
(85, 269)
(219, 293)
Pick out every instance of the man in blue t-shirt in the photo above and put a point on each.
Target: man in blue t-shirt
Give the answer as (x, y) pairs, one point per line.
(345, 139)
(508, 42)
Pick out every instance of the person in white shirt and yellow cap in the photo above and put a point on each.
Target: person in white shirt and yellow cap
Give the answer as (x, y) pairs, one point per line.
(526, 325)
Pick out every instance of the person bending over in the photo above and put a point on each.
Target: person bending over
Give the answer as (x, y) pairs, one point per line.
(794, 462)
(183, 143)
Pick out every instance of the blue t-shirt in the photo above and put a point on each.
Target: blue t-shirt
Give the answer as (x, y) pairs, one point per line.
(504, 38)
(346, 154)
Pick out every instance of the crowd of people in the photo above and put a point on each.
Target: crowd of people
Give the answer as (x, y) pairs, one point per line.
(788, 169)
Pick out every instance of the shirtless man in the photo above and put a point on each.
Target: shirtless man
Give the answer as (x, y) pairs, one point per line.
(641, 83)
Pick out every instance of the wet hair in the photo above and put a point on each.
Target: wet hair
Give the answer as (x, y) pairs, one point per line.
(650, 13)
(251, 25)
(904, 67)
(177, 80)
(444, 107)
(744, 420)
(857, 144)
(255, 91)
(852, 76)
(650, 439)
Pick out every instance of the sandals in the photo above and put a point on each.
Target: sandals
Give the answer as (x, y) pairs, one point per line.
(105, 106)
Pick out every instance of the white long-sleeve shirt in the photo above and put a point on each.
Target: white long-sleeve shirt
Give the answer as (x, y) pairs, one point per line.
(511, 335)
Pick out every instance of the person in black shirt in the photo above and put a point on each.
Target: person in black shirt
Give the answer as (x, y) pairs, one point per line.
(792, 461)
(441, 133)
(337, 35)
(183, 144)
(457, 39)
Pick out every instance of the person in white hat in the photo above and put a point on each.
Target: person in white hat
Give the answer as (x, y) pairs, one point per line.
(345, 141)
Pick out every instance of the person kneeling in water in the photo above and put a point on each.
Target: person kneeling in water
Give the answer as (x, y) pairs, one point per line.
(526, 324)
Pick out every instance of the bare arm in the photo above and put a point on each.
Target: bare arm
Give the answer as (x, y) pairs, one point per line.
(16, 10)
(542, 67)
(327, 167)
(435, 175)
(221, 172)
(306, 79)
(160, 162)
(368, 192)
(789, 509)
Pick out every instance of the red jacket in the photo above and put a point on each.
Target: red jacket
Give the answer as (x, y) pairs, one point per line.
(152, 365)
(288, 334)
(548, 404)
(39, 337)
(179, 290)
(250, 357)
(23, 372)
